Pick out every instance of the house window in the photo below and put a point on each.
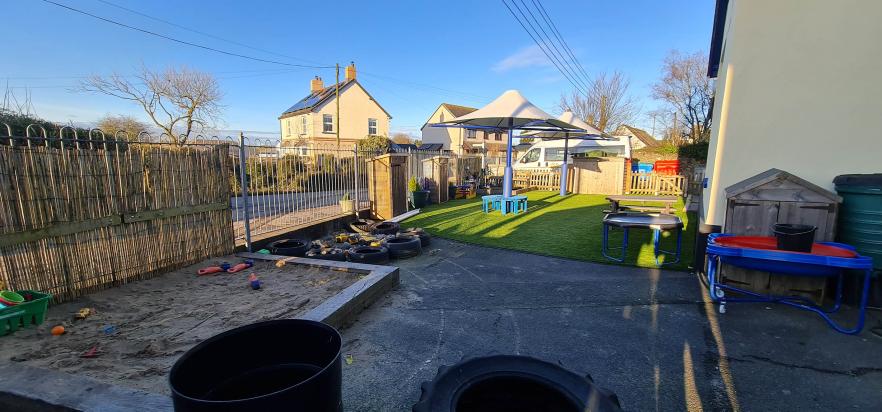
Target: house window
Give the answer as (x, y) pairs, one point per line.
(471, 134)
(303, 125)
(372, 127)
(486, 135)
(442, 117)
(497, 136)
(288, 126)
(327, 123)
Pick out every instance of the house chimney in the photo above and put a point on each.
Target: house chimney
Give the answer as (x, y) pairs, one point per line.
(316, 84)
(350, 71)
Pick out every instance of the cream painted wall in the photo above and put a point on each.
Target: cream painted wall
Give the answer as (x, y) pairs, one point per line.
(451, 137)
(356, 107)
(295, 131)
(798, 90)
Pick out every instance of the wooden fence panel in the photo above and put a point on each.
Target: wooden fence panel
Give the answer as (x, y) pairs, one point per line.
(657, 185)
(73, 221)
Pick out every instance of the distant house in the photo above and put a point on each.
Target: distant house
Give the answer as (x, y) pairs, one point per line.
(803, 64)
(457, 139)
(639, 138)
(312, 121)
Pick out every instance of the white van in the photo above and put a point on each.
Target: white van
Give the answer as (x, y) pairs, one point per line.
(549, 153)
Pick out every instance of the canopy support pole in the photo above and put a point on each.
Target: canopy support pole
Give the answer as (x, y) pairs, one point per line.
(564, 167)
(507, 176)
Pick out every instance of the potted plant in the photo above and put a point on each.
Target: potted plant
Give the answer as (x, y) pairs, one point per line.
(347, 205)
(419, 197)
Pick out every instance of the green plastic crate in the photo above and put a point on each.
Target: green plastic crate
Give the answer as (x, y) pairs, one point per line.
(26, 314)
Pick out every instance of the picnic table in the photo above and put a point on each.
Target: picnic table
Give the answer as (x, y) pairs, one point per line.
(616, 205)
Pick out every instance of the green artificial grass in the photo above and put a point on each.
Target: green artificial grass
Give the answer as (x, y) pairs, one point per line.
(568, 227)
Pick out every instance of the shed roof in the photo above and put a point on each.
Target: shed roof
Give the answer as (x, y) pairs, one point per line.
(776, 179)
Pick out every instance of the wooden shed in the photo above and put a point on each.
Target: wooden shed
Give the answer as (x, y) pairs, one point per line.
(775, 196)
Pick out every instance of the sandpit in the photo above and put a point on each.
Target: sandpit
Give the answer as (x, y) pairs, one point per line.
(141, 328)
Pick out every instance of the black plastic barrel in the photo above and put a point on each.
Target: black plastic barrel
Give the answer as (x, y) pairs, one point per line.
(795, 238)
(278, 365)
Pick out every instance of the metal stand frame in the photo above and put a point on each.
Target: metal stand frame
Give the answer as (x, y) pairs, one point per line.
(656, 242)
(717, 290)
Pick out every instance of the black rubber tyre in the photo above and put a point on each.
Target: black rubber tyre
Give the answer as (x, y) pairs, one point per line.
(370, 255)
(289, 247)
(509, 382)
(425, 238)
(337, 255)
(403, 246)
(362, 225)
(386, 228)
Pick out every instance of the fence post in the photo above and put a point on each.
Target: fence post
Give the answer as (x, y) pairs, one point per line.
(244, 185)
(357, 201)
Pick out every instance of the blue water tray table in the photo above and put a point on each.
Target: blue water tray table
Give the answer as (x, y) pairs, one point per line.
(657, 222)
(826, 259)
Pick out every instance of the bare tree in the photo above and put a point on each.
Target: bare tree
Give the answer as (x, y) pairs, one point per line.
(607, 104)
(402, 138)
(685, 87)
(178, 101)
(110, 125)
(666, 125)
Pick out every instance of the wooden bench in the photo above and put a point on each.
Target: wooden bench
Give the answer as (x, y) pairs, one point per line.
(616, 205)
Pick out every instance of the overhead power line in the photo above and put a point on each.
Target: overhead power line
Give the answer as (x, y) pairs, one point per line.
(560, 38)
(152, 33)
(181, 26)
(550, 44)
(546, 52)
(400, 81)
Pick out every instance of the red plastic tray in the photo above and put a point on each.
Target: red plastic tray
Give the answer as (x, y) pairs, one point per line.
(770, 243)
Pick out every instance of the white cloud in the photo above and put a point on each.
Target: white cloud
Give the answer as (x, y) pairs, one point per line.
(531, 56)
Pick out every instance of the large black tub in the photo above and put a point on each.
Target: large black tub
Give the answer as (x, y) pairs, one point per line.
(279, 365)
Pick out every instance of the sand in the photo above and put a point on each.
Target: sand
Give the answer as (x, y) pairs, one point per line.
(153, 322)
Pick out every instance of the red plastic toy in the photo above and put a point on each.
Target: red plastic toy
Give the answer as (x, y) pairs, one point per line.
(240, 267)
(210, 270)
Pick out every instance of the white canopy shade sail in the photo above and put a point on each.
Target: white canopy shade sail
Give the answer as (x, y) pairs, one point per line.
(588, 132)
(510, 111)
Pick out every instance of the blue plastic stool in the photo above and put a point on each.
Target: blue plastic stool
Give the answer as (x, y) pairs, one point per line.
(514, 204)
(490, 202)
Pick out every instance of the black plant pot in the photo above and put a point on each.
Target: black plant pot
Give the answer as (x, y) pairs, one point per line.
(278, 365)
(420, 198)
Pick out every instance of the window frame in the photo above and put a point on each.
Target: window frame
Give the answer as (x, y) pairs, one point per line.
(376, 126)
(497, 136)
(327, 123)
(304, 125)
(471, 134)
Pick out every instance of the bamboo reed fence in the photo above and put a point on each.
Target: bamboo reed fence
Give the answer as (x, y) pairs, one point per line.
(79, 218)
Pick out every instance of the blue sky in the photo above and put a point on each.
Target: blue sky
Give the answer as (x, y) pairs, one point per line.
(411, 55)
